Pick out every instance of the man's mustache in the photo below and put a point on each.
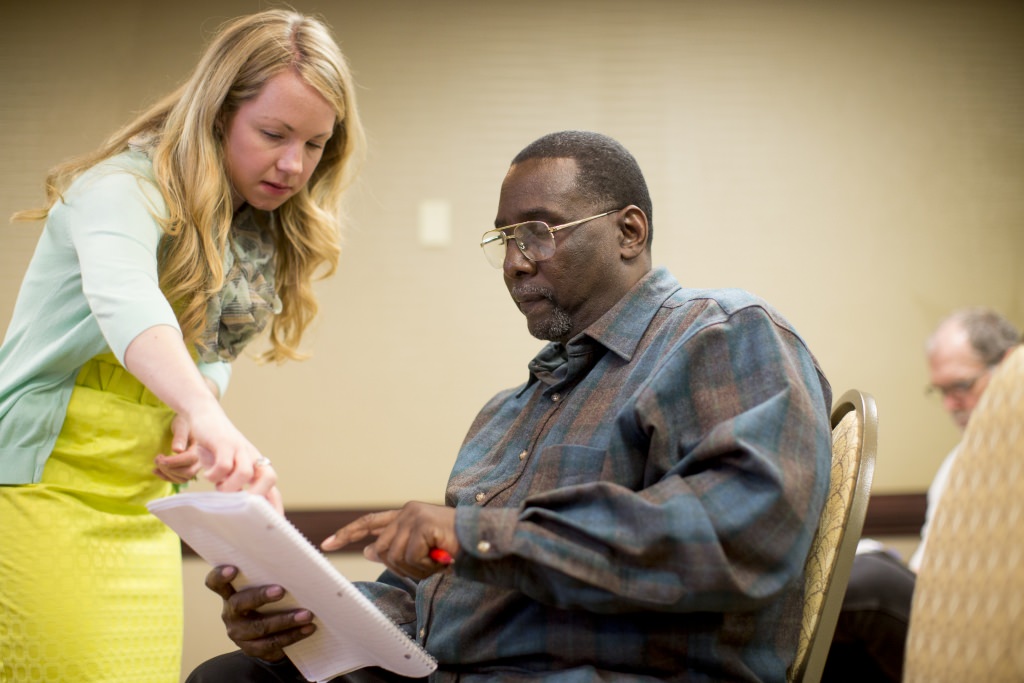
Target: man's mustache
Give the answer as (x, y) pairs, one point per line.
(522, 293)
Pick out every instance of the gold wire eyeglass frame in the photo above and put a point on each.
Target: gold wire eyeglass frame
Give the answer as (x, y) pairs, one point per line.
(496, 256)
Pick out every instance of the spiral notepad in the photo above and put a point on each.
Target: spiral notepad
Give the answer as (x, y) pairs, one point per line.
(243, 530)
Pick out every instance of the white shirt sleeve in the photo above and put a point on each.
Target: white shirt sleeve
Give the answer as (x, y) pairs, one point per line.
(935, 491)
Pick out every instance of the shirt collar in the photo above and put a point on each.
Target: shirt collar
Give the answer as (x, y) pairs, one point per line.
(623, 325)
(619, 330)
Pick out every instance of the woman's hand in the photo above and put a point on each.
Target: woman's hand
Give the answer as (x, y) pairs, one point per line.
(213, 446)
(201, 428)
(184, 462)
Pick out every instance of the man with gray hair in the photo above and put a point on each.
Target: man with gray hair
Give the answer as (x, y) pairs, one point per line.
(871, 634)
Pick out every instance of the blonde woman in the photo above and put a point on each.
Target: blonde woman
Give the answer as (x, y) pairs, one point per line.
(195, 227)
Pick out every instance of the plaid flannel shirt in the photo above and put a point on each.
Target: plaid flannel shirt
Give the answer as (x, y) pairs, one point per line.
(641, 508)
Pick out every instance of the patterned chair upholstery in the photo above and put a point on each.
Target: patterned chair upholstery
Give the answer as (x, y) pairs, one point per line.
(967, 616)
(827, 571)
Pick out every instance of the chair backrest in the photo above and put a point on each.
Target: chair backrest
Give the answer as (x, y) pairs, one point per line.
(967, 615)
(827, 570)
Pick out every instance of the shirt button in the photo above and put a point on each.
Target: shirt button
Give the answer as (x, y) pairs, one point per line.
(522, 456)
(484, 546)
(423, 632)
(556, 397)
(479, 497)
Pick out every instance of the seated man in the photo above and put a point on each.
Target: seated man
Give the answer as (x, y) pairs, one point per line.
(640, 508)
(871, 633)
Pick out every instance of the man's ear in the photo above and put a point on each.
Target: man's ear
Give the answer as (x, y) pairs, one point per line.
(632, 232)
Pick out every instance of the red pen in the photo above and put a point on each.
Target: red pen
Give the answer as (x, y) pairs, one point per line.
(441, 556)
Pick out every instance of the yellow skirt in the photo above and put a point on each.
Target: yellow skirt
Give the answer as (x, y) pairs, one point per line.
(90, 582)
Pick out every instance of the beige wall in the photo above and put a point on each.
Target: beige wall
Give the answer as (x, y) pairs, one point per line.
(858, 165)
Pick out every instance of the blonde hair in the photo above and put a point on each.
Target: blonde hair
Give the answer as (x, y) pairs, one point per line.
(188, 162)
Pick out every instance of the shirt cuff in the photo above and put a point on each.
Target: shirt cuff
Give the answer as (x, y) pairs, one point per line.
(485, 533)
(219, 373)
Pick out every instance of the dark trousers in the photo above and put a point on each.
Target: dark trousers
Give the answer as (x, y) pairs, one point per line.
(871, 633)
(235, 667)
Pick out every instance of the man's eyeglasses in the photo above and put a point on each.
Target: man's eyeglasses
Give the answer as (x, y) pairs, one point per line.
(536, 239)
(957, 390)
